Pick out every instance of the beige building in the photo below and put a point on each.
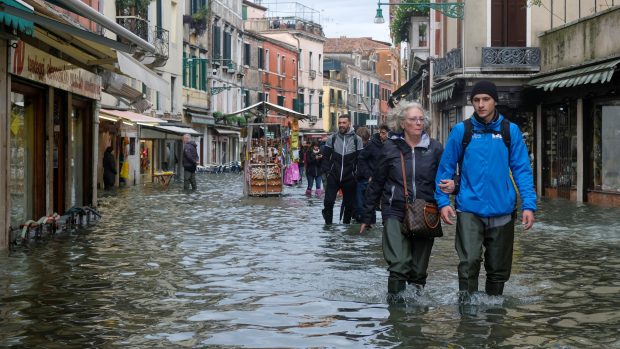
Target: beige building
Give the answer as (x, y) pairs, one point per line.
(554, 67)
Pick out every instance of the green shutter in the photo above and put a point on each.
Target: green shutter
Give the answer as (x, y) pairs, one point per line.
(193, 72)
(203, 74)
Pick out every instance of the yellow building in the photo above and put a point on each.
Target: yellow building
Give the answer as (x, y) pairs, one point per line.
(334, 94)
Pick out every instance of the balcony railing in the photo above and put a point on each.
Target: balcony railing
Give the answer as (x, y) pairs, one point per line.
(157, 36)
(452, 61)
(511, 58)
(312, 74)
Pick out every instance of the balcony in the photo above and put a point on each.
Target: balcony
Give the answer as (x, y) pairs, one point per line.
(230, 67)
(154, 35)
(312, 74)
(447, 65)
(526, 59)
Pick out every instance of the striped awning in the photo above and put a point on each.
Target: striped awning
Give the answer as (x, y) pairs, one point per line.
(442, 94)
(598, 73)
(19, 24)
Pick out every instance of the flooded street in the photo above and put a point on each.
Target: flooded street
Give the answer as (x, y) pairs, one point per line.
(212, 268)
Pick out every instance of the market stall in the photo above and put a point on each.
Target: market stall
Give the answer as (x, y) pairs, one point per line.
(270, 148)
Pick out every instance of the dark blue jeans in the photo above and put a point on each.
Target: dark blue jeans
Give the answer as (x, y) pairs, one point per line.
(312, 179)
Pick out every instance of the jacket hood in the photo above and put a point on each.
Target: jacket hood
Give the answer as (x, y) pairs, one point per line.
(192, 143)
(376, 139)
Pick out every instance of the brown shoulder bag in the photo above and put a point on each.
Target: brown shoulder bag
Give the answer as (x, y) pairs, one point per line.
(421, 218)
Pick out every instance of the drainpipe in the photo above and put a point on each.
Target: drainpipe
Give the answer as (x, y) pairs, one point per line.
(86, 11)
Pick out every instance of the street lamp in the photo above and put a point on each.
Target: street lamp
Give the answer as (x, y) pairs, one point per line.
(449, 9)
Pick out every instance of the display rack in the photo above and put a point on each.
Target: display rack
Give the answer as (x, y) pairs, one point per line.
(263, 159)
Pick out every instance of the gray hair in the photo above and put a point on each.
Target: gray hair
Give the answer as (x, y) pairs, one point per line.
(397, 115)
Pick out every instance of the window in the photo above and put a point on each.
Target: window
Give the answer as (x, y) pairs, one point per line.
(261, 58)
(300, 103)
(278, 64)
(267, 60)
(267, 97)
(301, 60)
(261, 97)
(320, 106)
(246, 54)
(320, 65)
(246, 98)
(310, 61)
(294, 70)
(283, 66)
(216, 42)
(281, 101)
(227, 46)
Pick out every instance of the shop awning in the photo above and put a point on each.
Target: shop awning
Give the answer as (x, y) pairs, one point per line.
(200, 118)
(443, 93)
(224, 131)
(18, 23)
(598, 73)
(273, 107)
(131, 116)
(410, 86)
(177, 130)
(131, 67)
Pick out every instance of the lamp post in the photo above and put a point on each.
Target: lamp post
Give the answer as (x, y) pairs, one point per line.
(450, 9)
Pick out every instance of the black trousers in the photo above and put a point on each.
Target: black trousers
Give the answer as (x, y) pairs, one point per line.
(332, 186)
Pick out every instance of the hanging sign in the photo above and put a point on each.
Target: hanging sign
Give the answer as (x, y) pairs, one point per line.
(33, 64)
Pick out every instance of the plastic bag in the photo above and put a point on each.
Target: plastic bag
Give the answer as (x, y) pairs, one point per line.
(125, 170)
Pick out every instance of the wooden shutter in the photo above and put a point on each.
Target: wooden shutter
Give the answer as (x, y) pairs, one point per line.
(508, 23)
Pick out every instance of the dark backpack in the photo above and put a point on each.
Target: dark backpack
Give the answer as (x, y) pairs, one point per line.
(468, 133)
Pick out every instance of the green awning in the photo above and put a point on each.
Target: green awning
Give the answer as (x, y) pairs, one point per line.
(19, 24)
(442, 93)
(598, 73)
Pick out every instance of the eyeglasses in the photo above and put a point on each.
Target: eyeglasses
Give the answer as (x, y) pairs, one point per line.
(416, 120)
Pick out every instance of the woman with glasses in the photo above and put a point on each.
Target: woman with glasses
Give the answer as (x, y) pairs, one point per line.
(407, 258)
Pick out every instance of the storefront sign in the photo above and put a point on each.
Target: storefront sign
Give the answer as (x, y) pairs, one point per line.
(33, 64)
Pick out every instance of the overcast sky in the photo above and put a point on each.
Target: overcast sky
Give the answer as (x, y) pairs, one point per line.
(352, 18)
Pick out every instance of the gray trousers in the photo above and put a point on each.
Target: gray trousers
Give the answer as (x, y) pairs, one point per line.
(407, 257)
(471, 236)
(189, 178)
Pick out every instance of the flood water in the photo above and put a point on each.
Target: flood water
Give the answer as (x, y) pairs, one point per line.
(168, 269)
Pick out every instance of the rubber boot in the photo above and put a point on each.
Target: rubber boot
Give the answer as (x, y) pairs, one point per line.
(318, 193)
(494, 288)
(308, 192)
(395, 286)
(328, 215)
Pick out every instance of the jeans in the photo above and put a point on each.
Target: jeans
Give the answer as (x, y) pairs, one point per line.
(312, 179)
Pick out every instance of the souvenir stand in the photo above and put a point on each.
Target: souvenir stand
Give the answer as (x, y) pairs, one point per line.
(266, 149)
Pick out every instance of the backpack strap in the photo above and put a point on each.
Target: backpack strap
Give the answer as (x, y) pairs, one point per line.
(506, 136)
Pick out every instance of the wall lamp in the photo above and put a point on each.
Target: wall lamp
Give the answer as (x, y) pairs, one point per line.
(449, 9)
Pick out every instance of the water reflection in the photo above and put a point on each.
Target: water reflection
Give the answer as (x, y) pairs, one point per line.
(166, 268)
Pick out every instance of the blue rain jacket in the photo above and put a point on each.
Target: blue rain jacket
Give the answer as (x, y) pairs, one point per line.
(486, 187)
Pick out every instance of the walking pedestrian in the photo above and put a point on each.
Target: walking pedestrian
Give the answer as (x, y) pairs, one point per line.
(109, 169)
(366, 164)
(190, 162)
(339, 162)
(487, 148)
(313, 168)
(411, 146)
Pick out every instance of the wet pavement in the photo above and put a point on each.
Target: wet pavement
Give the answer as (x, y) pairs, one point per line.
(211, 268)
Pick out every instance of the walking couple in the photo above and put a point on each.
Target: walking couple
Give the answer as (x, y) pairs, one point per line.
(490, 152)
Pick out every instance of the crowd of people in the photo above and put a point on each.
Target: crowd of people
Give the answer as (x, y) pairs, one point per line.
(484, 165)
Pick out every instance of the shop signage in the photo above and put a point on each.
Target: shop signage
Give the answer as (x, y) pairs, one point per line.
(33, 64)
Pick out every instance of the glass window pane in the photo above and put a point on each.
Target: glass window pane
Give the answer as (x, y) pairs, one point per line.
(21, 158)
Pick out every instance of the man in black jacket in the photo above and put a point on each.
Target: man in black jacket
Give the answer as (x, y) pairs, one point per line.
(369, 157)
(339, 163)
(190, 161)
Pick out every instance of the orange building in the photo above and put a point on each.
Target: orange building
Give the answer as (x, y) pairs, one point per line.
(278, 70)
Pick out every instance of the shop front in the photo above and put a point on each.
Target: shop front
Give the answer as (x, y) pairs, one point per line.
(51, 127)
(161, 149)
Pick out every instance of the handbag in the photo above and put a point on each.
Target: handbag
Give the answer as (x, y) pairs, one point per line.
(421, 217)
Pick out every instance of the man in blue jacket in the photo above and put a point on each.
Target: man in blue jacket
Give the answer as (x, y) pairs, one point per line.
(485, 203)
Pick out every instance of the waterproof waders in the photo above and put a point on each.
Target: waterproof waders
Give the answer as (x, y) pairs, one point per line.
(407, 257)
(471, 236)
